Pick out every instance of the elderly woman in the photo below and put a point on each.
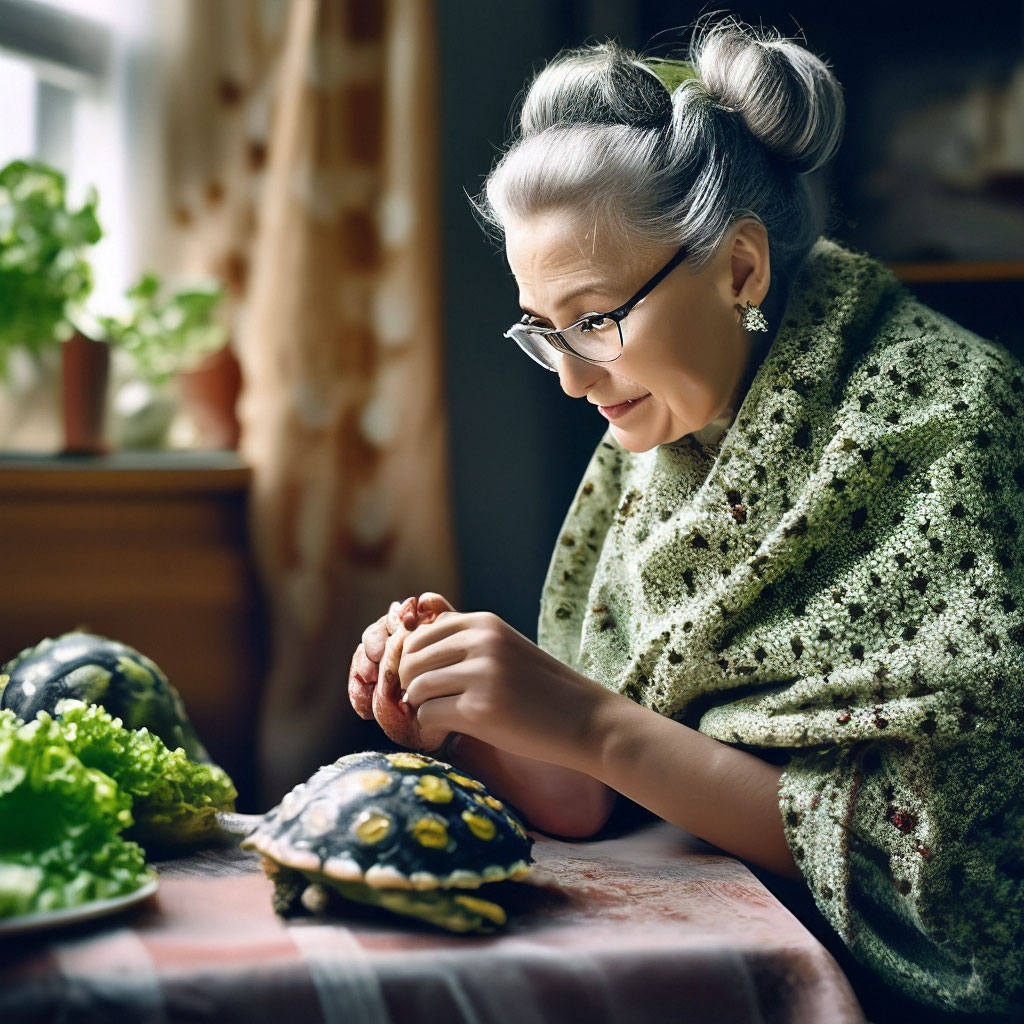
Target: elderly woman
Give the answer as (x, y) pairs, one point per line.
(785, 608)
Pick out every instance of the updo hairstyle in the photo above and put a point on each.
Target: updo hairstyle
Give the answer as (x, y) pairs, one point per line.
(675, 152)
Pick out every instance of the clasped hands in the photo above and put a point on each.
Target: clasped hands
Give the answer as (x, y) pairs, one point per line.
(425, 671)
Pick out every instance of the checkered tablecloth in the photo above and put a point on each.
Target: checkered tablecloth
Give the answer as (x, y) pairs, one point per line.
(651, 926)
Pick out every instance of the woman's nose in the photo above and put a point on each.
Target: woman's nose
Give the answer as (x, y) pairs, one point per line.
(576, 376)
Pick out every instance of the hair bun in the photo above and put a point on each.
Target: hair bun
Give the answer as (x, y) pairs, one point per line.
(601, 84)
(788, 97)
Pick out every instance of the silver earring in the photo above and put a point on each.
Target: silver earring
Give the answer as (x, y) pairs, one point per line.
(752, 318)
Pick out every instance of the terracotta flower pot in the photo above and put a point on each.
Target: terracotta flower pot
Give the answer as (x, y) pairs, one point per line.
(85, 373)
(210, 392)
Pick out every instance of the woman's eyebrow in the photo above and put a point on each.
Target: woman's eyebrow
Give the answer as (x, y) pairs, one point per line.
(587, 289)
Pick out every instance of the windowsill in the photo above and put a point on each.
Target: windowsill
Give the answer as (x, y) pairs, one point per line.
(172, 471)
(125, 460)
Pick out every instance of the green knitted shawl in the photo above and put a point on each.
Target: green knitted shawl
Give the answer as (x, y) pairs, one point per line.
(837, 585)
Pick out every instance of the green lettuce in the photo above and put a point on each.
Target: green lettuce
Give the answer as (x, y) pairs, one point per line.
(71, 784)
(174, 800)
(60, 823)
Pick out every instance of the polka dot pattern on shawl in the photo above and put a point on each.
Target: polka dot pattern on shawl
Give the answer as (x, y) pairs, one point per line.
(838, 584)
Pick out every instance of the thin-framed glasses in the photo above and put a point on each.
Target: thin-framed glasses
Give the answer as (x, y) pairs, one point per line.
(594, 338)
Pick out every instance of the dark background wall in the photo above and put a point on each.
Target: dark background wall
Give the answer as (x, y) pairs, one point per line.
(519, 445)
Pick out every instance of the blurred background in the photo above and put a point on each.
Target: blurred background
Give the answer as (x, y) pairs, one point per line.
(306, 408)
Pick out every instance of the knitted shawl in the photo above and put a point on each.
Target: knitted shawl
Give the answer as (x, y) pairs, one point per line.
(837, 586)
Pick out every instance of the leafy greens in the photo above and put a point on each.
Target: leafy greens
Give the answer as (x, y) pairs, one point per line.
(175, 799)
(70, 785)
(60, 821)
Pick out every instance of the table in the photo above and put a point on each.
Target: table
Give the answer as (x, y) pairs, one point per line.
(653, 925)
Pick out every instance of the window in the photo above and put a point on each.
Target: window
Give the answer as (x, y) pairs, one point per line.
(67, 70)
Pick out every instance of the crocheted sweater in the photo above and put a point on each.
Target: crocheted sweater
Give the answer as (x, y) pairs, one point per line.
(837, 586)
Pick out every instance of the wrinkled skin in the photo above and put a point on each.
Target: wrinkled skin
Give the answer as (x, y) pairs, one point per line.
(374, 687)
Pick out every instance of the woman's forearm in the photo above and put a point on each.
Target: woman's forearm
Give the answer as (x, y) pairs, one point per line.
(472, 674)
(551, 798)
(724, 795)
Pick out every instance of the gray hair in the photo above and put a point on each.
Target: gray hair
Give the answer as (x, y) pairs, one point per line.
(675, 152)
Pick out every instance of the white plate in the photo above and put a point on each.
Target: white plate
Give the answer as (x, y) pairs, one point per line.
(72, 915)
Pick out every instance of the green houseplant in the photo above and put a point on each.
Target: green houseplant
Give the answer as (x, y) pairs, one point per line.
(43, 270)
(166, 335)
(44, 280)
(165, 330)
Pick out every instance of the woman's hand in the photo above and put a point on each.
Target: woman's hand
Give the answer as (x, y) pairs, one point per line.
(472, 673)
(364, 671)
(373, 681)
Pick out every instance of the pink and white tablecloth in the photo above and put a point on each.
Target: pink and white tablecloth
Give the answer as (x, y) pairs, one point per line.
(652, 926)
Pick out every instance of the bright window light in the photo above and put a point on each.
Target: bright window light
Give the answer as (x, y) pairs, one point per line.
(63, 90)
(99, 10)
(17, 109)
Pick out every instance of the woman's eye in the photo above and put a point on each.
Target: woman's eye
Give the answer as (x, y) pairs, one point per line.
(536, 321)
(592, 323)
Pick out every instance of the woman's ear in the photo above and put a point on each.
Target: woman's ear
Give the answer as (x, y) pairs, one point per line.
(749, 262)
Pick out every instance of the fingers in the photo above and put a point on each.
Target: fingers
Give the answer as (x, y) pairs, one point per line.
(388, 673)
(360, 687)
(397, 720)
(407, 614)
(374, 638)
(364, 666)
(443, 653)
(390, 664)
(374, 683)
(433, 721)
(391, 619)
(360, 696)
(432, 632)
(402, 614)
(430, 605)
(393, 715)
(432, 685)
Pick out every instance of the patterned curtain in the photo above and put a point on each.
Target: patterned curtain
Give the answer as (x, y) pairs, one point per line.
(312, 187)
(343, 411)
(221, 66)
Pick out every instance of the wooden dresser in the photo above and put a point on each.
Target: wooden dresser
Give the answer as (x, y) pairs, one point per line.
(151, 550)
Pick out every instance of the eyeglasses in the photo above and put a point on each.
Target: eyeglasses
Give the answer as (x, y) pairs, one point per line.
(594, 338)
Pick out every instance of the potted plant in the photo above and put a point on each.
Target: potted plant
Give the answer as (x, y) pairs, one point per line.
(167, 334)
(44, 279)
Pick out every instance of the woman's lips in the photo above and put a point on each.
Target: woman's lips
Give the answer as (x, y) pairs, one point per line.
(613, 412)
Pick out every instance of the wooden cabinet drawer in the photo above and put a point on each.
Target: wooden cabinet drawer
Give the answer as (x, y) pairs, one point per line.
(152, 551)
